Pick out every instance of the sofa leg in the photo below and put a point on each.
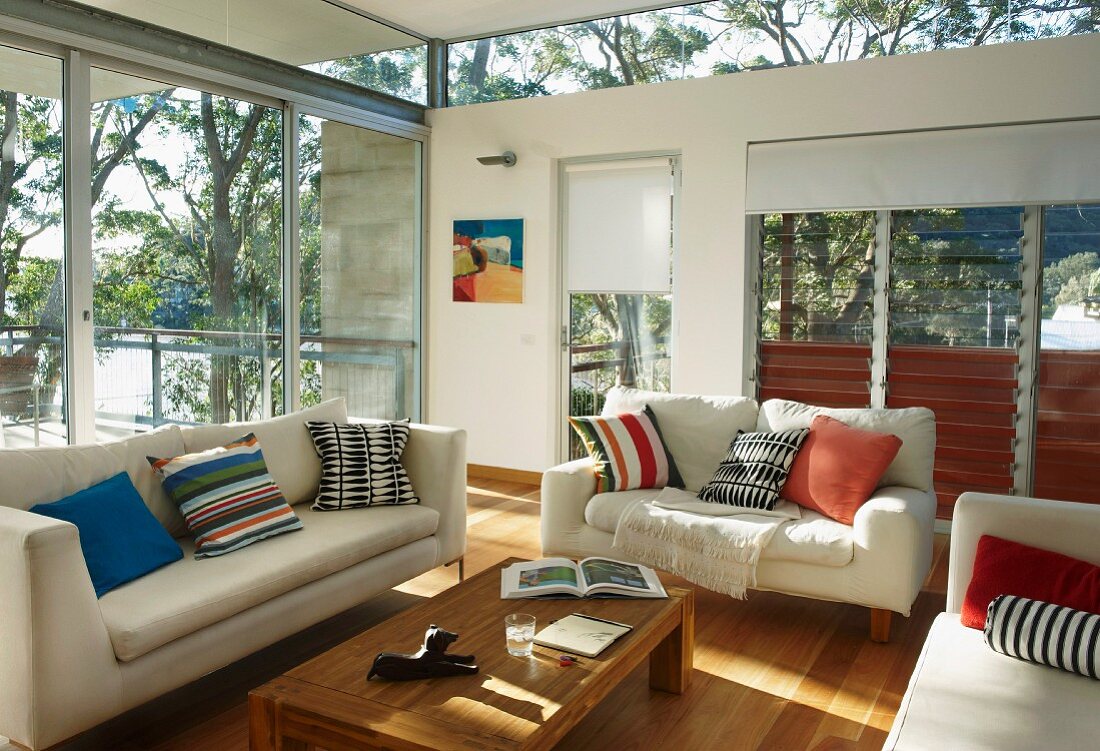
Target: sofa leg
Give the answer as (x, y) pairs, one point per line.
(880, 625)
(461, 561)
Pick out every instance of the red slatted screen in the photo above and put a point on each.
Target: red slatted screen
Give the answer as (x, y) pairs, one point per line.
(972, 390)
(1067, 439)
(825, 374)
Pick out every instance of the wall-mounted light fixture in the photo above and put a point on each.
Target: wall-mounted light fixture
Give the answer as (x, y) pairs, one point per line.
(508, 159)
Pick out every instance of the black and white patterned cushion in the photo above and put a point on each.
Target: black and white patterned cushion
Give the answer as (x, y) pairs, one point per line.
(361, 465)
(1048, 634)
(754, 469)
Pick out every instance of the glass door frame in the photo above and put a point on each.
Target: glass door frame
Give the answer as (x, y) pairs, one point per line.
(559, 408)
(79, 54)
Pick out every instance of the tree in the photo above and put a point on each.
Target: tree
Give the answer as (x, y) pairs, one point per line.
(30, 180)
(728, 36)
(818, 275)
(220, 161)
(1070, 280)
(400, 73)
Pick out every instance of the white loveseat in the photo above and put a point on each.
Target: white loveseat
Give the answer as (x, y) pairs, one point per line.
(69, 661)
(966, 697)
(880, 561)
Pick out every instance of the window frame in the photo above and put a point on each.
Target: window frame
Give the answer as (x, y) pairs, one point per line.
(79, 54)
(1028, 342)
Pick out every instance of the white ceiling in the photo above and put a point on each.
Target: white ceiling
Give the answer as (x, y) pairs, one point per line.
(293, 31)
(455, 19)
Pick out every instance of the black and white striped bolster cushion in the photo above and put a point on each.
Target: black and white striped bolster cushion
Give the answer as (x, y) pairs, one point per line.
(1044, 633)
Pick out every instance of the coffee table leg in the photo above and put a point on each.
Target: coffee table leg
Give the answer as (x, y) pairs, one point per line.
(262, 723)
(263, 727)
(670, 661)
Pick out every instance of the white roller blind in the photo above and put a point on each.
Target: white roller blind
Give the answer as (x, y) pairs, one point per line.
(618, 226)
(994, 166)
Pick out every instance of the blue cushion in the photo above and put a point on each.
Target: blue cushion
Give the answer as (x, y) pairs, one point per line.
(120, 538)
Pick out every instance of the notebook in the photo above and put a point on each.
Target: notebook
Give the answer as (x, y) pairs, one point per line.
(581, 634)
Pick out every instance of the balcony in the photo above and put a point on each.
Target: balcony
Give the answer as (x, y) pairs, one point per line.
(150, 377)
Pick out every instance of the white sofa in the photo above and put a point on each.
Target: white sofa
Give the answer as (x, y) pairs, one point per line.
(880, 561)
(966, 697)
(69, 661)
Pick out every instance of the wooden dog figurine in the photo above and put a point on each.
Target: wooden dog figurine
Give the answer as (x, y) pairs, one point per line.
(432, 661)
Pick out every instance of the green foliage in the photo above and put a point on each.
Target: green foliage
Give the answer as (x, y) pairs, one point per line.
(29, 290)
(400, 73)
(121, 294)
(831, 276)
(1070, 280)
(729, 36)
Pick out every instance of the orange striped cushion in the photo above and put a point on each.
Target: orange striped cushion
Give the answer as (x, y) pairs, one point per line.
(629, 451)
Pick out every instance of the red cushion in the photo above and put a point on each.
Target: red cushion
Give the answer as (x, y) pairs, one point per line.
(1003, 567)
(838, 467)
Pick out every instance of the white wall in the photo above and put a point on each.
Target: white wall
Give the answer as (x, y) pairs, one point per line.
(494, 369)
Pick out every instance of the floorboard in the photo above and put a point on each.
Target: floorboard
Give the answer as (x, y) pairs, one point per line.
(771, 672)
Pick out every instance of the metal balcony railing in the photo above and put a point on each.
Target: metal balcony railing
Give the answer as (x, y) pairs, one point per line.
(595, 368)
(131, 368)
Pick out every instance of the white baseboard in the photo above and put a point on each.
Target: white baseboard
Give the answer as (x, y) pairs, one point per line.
(943, 527)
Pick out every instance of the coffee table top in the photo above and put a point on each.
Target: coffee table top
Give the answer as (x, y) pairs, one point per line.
(511, 700)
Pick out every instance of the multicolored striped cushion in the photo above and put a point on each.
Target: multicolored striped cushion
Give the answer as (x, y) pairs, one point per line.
(629, 451)
(227, 497)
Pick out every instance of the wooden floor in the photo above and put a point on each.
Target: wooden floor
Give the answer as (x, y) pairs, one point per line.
(772, 672)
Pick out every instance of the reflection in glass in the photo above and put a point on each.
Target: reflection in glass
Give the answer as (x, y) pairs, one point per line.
(1067, 445)
(32, 273)
(360, 247)
(187, 223)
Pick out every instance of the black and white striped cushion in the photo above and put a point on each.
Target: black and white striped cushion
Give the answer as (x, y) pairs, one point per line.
(754, 469)
(361, 465)
(1048, 634)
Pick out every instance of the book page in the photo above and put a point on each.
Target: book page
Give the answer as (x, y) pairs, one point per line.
(549, 576)
(608, 575)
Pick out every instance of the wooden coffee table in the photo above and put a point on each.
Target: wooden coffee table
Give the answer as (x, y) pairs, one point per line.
(512, 703)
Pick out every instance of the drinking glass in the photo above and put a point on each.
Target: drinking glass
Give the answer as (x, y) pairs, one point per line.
(519, 633)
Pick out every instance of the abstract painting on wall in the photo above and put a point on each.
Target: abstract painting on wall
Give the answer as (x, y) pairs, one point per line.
(488, 260)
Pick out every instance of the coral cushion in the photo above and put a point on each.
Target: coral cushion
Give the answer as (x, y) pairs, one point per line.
(1004, 567)
(838, 467)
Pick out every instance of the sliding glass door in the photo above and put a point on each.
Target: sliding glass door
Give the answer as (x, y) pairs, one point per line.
(187, 228)
(156, 267)
(32, 252)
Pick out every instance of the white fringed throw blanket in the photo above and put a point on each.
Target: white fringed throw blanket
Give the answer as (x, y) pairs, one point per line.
(711, 544)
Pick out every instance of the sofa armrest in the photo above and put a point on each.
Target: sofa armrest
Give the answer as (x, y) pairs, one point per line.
(435, 458)
(566, 490)
(893, 533)
(60, 675)
(1068, 528)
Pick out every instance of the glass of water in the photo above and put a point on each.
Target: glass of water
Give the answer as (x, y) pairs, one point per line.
(519, 633)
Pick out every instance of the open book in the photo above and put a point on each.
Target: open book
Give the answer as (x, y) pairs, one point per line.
(592, 577)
